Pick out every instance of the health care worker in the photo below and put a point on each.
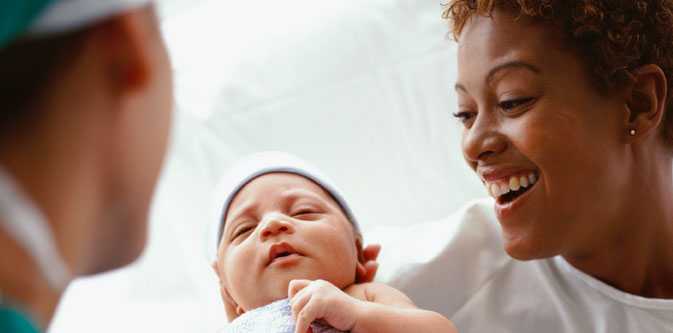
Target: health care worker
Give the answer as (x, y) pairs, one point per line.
(86, 95)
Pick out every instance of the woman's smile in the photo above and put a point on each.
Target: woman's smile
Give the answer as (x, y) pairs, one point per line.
(509, 187)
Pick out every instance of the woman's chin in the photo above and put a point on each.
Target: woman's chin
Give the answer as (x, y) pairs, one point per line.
(524, 248)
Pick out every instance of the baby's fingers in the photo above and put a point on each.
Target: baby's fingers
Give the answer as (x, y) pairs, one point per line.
(298, 302)
(295, 286)
(312, 311)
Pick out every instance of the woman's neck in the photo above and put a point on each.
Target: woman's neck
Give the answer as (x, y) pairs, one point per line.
(634, 252)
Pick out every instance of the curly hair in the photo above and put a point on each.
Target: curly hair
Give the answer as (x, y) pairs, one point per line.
(612, 37)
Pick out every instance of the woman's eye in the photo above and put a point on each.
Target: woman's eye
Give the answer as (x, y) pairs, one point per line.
(514, 103)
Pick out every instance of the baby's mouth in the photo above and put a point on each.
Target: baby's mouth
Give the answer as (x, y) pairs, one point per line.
(281, 250)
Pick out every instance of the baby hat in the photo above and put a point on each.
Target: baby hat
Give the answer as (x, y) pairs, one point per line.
(35, 18)
(256, 165)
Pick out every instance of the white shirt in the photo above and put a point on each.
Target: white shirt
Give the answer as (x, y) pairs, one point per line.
(458, 267)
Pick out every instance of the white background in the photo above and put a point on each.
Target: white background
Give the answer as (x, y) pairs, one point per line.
(361, 88)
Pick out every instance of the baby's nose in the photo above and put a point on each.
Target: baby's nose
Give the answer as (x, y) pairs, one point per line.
(275, 226)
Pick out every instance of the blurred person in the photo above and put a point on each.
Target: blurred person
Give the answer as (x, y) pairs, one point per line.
(86, 94)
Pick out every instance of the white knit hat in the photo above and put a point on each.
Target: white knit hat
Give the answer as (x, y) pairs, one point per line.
(253, 166)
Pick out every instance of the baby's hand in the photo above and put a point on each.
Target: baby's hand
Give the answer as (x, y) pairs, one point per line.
(312, 300)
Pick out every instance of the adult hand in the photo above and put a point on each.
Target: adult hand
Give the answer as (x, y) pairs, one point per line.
(367, 271)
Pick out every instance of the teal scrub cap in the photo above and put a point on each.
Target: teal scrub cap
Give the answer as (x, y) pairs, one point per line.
(17, 15)
(34, 18)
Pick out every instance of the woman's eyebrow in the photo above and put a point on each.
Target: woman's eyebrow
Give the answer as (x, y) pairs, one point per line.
(501, 67)
(510, 65)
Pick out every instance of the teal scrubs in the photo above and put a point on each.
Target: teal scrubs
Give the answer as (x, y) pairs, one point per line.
(17, 15)
(14, 321)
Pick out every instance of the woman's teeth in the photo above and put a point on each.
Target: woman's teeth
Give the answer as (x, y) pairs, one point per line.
(501, 187)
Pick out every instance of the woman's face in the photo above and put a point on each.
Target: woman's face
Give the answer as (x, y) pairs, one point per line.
(535, 122)
(282, 227)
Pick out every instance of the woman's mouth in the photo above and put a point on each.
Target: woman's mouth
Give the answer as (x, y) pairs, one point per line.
(506, 190)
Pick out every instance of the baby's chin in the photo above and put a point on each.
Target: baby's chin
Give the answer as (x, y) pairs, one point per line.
(278, 287)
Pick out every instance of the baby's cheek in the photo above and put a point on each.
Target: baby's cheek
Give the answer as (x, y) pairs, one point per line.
(343, 260)
(239, 277)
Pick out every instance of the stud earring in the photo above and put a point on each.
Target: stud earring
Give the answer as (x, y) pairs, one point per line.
(632, 132)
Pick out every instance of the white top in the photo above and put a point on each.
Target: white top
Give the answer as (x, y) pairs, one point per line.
(458, 267)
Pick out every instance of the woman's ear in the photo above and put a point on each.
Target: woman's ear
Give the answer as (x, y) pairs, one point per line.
(646, 101)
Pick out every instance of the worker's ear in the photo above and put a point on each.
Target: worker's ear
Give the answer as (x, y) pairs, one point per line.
(125, 50)
(232, 309)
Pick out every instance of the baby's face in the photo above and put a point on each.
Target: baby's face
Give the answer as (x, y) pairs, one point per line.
(282, 227)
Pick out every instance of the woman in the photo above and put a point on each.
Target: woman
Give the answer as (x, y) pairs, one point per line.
(568, 122)
(86, 91)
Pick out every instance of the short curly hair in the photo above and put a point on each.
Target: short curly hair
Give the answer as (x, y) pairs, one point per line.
(611, 36)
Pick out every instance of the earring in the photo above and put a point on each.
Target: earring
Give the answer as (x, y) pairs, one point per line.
(632, 132)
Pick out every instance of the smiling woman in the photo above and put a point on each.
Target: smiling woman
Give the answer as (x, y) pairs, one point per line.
(566, 108)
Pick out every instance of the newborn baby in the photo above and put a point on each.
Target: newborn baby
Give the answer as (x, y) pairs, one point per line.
(288, 249)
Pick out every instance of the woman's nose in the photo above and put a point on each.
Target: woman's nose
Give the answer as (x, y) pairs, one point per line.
(482, 141)
(275, 225)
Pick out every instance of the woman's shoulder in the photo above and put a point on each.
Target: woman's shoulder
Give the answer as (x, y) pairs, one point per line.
(440, 264)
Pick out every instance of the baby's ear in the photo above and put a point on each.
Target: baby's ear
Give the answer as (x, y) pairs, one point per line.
(360, 250)
(360, 270)
(367, 264)
(232, 309)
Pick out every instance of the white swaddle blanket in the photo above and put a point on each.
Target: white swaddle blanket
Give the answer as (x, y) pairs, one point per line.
(273, 318)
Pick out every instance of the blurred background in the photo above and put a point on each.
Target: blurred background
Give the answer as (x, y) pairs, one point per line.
(361, 88)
